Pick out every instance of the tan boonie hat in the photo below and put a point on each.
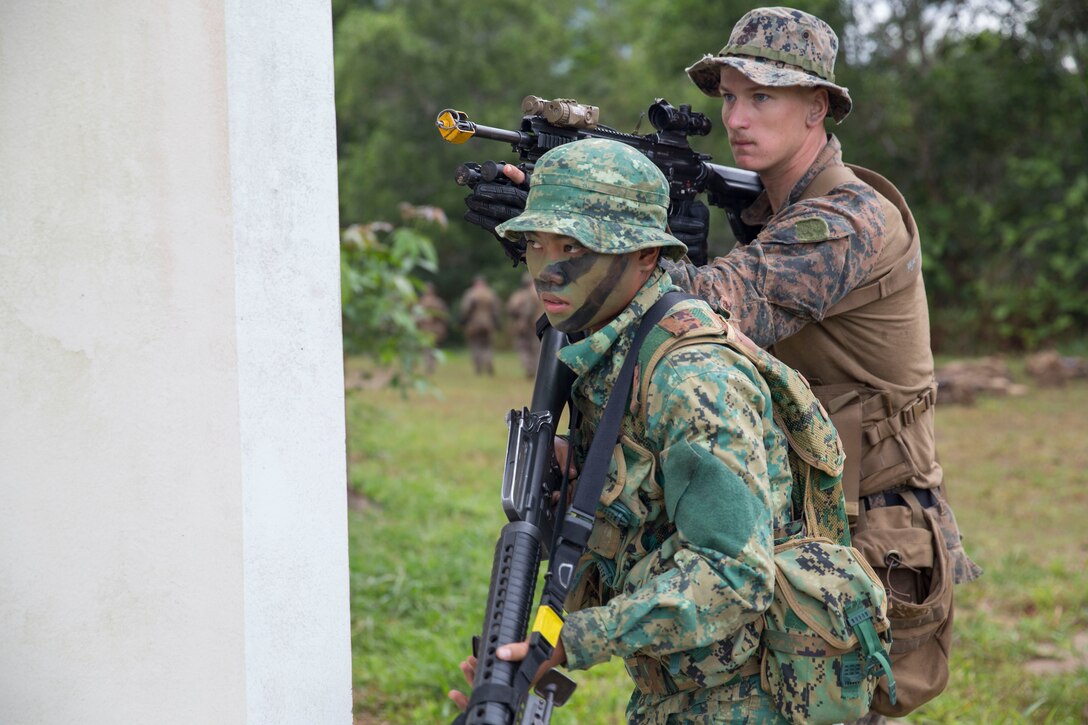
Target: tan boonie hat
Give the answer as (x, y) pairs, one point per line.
(778, 47)
(603, 193)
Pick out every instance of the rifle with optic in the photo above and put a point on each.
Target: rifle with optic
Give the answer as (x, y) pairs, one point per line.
(546, 124)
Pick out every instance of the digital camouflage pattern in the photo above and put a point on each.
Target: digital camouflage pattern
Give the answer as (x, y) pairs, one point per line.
(823, 652)
(603, 193)
(778, 47)
(809, 256)
(827, 633)
(680, 567)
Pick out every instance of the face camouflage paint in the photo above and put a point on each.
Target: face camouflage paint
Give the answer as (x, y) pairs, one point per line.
(580, 289)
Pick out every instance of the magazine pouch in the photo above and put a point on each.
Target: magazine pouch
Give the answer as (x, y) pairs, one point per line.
(826, 635)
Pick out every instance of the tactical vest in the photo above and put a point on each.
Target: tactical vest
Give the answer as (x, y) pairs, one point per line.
(869, 360)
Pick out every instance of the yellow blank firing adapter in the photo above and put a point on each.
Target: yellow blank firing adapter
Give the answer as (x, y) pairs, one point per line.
(548, 623)
(565, 112)
(455, 126)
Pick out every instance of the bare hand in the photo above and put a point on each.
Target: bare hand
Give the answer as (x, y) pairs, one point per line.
(513, 173)
(514, 652)
(562, 451)
(468, 669)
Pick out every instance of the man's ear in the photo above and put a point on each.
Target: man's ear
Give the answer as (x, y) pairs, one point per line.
(647, 258)
(818, 107)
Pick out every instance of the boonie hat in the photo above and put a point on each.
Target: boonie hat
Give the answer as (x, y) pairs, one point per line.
(778, 47)
(603, 193)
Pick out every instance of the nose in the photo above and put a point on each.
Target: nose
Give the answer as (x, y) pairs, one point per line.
(733, 115)
(550, 276)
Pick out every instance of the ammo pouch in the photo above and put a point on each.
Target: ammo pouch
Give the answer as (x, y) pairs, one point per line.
(825, 636)
(906, 548)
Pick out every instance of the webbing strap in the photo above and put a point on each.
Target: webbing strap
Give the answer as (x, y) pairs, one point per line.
(803, 645)
(896, 422)
(595, 468)
(578, 522)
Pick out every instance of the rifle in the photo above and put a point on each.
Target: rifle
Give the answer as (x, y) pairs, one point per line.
(531, 479)
(547, 124)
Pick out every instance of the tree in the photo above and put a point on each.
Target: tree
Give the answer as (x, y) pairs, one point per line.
(380, 285)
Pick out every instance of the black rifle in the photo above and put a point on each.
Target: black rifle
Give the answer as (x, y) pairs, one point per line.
(531, 480)
(531, 483)
(547, 124)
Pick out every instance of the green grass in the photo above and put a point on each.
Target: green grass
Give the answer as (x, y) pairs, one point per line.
(428, 467)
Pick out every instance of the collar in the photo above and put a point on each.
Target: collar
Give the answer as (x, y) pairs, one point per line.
(759, 212)
(616, 337)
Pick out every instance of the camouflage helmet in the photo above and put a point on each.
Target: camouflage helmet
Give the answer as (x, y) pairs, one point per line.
(603, 193)
(778, 47)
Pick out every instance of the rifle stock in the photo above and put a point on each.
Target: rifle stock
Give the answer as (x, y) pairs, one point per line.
(547, 124)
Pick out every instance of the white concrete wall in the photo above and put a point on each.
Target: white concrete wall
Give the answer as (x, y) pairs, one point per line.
(173, 543)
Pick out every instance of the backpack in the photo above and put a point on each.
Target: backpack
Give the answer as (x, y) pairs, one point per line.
(826, 636)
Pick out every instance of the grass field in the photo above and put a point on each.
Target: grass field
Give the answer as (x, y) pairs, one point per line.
(426, 467)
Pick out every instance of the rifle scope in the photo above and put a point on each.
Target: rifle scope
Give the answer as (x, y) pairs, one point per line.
(666, 117)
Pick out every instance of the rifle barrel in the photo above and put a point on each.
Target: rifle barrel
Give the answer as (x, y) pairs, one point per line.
(501, 134)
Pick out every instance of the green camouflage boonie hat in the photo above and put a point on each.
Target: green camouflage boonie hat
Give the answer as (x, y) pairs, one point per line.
(603, 193)
(778, 47)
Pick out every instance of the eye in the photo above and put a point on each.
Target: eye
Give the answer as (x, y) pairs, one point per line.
(728, 97)
(573, 248)
(531, 243)
(761, 97)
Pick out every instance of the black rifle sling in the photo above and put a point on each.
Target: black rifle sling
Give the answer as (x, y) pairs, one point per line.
(578, 521)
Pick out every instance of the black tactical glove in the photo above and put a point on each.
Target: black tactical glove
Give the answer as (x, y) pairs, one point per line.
(689, 221)
(494, 199)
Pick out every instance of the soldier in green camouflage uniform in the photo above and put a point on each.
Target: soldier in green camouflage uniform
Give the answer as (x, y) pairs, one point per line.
(680, 561)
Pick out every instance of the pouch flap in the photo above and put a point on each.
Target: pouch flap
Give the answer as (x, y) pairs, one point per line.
(820, 579)
(896, 547)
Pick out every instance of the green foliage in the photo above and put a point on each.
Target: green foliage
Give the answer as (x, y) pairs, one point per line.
(380, 286)
(975, 110)
(979, 128)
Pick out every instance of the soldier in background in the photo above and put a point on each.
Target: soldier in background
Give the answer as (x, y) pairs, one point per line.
(479, 313)
(433, 320)
(523, 310)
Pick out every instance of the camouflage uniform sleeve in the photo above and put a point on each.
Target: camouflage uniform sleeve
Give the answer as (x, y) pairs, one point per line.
(708, 411)
(805, 260)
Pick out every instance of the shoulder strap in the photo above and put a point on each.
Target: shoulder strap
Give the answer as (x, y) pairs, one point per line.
(828, 179)
(905, 269)
(578, 522)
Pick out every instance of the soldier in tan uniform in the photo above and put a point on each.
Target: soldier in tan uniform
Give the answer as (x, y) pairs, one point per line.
(523, 309)
(433, 320)
(832, 286)
(479, 314)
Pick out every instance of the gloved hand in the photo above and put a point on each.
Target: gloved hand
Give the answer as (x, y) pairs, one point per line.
(689, 221)
(495, 200)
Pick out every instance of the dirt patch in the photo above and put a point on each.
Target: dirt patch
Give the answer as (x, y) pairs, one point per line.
(359, 502)
(1052, 660)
